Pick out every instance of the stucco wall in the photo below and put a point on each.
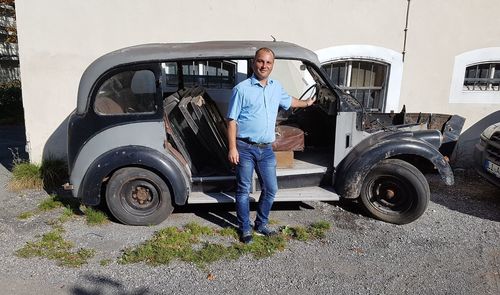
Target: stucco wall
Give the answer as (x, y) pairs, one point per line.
(439, 31)
(58, 39)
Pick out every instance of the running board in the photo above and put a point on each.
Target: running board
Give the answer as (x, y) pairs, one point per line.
(314, 193)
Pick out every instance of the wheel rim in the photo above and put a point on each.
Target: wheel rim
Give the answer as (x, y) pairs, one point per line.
(391, 194)
(140, 197)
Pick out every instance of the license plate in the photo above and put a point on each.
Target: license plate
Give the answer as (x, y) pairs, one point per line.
(492, 168)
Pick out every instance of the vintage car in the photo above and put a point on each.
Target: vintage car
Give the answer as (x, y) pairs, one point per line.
(149, 133)
(487, 154)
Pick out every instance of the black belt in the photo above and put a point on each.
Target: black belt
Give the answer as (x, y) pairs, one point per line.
(257, 144)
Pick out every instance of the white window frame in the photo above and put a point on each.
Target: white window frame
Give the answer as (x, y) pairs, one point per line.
(462, 61)
(375, 53)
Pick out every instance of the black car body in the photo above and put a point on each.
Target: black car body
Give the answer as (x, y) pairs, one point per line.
(487, 154)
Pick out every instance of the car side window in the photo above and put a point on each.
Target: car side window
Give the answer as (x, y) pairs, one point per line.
(127, 92)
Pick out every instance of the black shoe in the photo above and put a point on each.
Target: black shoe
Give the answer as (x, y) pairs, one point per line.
(246, 238)
(265, 231)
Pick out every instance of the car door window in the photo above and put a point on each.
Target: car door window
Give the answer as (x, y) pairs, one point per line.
(127, 92)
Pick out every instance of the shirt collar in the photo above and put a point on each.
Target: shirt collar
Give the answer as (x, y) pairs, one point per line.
(255, 81)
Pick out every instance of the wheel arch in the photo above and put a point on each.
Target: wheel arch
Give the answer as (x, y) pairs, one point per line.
(351, 172)
(103, 167)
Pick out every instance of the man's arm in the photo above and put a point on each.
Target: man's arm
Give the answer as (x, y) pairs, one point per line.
(233, 155)
(297, 103)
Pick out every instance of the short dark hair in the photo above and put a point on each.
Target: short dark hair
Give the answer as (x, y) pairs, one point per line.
(263, 49)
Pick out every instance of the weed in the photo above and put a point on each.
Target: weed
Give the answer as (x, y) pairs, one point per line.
(95, 217)
(54, 172)
(50, 203)
(105, 262)
(51, 174)
(16, 158)
(186, 245)
(26, 215)
(66, 215)
(228, 232)
(25, 176)
(197, 230)
(54, 247)
(171, 243)
(316, 230)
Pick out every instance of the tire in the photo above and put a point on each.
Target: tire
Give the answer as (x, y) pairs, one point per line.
(137, 196)
(395, 192)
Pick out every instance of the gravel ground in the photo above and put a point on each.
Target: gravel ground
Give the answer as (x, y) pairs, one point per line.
(452, 249)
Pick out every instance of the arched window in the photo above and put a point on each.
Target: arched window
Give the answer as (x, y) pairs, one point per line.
(364, 79)
(476, 77)
(372, 74)
(482, 77)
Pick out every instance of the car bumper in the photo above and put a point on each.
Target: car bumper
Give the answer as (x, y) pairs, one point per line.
(486, 163)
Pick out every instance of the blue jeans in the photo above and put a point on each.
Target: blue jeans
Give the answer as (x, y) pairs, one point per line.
(261, 159)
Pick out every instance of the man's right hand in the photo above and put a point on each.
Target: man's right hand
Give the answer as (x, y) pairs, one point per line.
(233, 156)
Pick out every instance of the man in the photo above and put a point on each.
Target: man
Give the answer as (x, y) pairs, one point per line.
(251, 121)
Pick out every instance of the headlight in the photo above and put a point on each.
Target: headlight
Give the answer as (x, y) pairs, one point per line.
(488, 132)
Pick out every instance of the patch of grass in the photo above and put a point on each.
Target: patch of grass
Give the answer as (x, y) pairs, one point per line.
(66, 215)
(54, 247)
(172, 243)
(316, 230)
(197, 230)
(95, 217)
(319, 228)
(51, 174)
(50, 203)
(54, 173)
(186, 244)
(26, 215)
(25, 176)
(105, 262)
(228, 232)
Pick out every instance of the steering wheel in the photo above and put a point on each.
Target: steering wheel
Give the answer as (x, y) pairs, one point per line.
(313, 89)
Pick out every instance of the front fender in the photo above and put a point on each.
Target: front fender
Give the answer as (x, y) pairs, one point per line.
(167, 168)
(351, 172)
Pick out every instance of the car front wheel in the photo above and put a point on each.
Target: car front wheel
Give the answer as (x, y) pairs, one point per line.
(137, 196)
(395, 191)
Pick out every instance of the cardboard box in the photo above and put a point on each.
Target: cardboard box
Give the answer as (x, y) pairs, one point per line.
(284, 159)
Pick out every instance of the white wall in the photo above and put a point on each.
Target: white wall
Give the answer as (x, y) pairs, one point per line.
(438, 32)
(58, 39)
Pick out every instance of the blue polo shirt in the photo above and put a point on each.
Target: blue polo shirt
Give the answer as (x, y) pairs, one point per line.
(254, 108)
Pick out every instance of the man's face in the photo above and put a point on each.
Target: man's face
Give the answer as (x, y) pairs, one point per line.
(263, 64)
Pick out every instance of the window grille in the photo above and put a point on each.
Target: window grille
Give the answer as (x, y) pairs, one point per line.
(365, 80)
(482, 77)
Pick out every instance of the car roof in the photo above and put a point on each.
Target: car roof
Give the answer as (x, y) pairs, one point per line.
(186, 51)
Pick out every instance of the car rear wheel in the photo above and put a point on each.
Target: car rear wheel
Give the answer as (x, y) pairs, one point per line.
(395, 191)
(137, 196)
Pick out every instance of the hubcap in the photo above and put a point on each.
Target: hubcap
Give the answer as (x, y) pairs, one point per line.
(140, 197)
(391, 194)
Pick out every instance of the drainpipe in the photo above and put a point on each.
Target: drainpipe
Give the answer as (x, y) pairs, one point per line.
(406, 29)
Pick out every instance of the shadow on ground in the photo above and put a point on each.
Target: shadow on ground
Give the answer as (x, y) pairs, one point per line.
(12, 145)
(471, 194)
(224, 215)
(98, 284)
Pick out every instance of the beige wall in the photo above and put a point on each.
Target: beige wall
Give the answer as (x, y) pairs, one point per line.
(58, 39)
(439, 31)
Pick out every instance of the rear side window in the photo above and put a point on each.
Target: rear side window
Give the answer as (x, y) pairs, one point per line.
(127, 92)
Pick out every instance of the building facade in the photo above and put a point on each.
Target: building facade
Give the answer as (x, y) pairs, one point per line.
(9, 58)
(432, 56)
